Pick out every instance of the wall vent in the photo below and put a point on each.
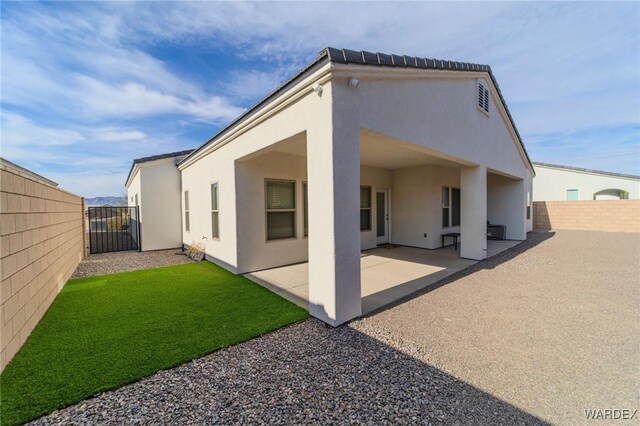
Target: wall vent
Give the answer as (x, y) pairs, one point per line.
(483, 97)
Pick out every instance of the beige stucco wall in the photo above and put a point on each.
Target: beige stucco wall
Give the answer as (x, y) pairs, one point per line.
(160, 215)
(551, 184)
(435, 112)
(42, 243)
(594, 215)
(417, 205)
(238, 223)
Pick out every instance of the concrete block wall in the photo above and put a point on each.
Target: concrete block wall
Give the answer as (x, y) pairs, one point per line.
(592, 215)
(41, 240)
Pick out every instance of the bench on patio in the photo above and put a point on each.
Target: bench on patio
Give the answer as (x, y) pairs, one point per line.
(454, 236)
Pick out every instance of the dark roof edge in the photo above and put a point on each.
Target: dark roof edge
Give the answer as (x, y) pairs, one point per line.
(156, 157)
(321, 57)
(162, 156)
(347, 56)
(32, 175)
(592, 171)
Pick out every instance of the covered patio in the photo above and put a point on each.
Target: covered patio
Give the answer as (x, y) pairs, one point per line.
(388, 273)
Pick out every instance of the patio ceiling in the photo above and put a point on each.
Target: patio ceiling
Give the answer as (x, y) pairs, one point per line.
(376, 150)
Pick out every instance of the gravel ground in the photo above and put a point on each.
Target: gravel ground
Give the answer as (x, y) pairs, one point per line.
(533, 335)
(551, 326)
(122, 261)
(307, 373)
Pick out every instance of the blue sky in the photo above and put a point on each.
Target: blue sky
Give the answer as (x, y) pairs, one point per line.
(87, 87)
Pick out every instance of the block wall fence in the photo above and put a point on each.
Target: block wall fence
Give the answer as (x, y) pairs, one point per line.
(42, 242)
(594, 215)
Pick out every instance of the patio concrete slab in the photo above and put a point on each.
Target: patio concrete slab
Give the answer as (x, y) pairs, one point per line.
(388, 273)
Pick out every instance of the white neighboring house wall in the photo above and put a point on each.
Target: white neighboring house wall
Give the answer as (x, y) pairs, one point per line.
(553, 181)
(157, 184)
(134, 196)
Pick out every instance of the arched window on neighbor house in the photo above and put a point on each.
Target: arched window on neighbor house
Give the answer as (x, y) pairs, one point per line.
(611, 194)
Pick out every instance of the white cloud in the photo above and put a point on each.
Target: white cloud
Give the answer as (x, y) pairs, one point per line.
(254, 84)
(115, 135)
(20, 131)
(89, 72)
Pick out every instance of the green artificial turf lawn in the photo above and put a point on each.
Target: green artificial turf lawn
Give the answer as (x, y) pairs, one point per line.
(103, 332)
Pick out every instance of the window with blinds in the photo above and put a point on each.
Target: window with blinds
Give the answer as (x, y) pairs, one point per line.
(281, 209)
(215, 227)
(365, 208)
(446, 207)
(483, 97)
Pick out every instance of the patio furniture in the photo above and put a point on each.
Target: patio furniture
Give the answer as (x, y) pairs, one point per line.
(454, 236)
(496, 232)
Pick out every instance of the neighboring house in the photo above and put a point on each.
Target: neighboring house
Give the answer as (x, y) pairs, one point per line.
(565, 183)
(356, 150)
(158, 178)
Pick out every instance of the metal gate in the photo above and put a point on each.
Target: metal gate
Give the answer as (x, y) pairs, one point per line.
(113, 229)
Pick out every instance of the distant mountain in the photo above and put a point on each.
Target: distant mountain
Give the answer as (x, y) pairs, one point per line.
(101, 201)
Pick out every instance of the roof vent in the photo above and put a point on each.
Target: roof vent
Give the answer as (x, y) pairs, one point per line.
(483, 97)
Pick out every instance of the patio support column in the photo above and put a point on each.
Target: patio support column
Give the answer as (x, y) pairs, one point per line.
(516, 202)
(473, 214)
(333, 173)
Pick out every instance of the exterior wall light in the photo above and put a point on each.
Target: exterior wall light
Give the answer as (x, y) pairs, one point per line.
(353, 83)
(317, 88)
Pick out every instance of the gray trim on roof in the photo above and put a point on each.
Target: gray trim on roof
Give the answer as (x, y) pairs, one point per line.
(347, 56)
(592, 171)
(320, 59)
(161, 156)
(156, 157)
(27, 172)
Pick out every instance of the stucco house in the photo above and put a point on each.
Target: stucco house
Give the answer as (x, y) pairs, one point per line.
(357, 150)
(565, 183)
(154, 185)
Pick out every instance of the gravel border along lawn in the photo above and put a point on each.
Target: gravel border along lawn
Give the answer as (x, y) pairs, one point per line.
(123, 261)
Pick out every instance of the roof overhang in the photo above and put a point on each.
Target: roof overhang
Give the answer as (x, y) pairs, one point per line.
(135, 165)
(342, 63)
(586, 171)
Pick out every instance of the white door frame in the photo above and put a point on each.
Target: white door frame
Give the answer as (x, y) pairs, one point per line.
(386, 238)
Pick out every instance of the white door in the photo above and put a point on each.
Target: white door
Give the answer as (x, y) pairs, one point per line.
(382, 216)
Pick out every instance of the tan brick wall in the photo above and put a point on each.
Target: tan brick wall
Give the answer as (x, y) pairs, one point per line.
(41, 244)
(597, 215)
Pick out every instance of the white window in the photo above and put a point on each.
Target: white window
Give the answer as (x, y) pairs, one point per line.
(215, 227)
(450, 206)
(186, 211)
(365, 208)
(528, 205)
(445, 207)
(483, 97)
(281, 209)
(305, 202)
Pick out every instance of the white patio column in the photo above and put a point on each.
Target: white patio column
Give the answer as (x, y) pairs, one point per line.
(333, 174)
(473, 214)
(517, 210)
